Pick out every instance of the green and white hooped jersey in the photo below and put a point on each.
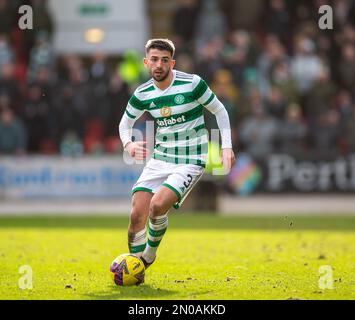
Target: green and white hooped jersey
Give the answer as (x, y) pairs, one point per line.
(181, 135)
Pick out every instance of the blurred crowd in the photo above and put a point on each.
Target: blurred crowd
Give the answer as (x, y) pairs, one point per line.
(288, 86)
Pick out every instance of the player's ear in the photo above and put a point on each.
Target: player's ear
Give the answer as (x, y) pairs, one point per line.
(172, 63)
(145, 62)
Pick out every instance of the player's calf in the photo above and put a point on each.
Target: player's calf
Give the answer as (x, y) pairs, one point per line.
(137, 233)
(137, 242)
(157, 227)
(160, 204)
(137, 224)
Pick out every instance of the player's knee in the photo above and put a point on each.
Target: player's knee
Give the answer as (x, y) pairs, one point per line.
(156, 208)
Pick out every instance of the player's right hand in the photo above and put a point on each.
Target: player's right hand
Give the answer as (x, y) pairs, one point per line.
(137, 149)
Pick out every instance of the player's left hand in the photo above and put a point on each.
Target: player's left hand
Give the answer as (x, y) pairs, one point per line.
(228, 159)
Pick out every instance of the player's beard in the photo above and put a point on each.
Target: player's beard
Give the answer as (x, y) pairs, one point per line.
(162, 76)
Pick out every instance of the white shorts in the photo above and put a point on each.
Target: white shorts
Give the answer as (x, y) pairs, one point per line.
(180, 178)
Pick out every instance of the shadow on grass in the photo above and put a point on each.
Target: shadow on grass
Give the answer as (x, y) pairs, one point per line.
(144, 291)
(195, 221)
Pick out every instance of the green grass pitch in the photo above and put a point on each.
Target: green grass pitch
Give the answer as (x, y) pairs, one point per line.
(202, 256)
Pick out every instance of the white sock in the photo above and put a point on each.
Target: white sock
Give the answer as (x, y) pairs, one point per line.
(136, 244)
(156, 229)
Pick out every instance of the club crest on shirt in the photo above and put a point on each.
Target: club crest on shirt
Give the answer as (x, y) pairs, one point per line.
(165, 111)
(179, 99)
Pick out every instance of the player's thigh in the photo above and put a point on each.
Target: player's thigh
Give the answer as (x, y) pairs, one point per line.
(162, 201)
(183, 179)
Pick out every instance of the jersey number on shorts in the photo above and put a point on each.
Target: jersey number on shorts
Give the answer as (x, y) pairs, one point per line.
(188, 182)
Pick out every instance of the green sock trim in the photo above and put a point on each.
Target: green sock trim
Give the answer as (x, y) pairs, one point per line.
(156, 233)
(135, 249)
(153, 243)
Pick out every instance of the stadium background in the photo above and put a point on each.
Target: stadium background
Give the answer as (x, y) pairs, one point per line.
(288, 87)
(283, 226)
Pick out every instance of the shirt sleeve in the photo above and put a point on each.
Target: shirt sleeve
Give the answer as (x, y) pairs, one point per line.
(135, 108)
(202, 92)
(204, 95)
(134, 111)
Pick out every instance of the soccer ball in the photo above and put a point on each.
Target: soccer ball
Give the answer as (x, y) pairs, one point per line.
(127, 270)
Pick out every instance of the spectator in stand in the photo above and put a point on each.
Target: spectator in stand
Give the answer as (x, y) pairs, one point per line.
(7, 17)
(70, 109)
(6, 54)
(293, 132)
(69, 64)
(258, 132)
(36, 117)
(10, 88)
(99, 69)
(71, 145)
(341, 11)
(184, 23)
(305, 64)
(343, 103)
(237, 54)
(351, 14)
(118, 96)
(46, 83)
(348, 131)
(274, 53)
(320, 96)
(227, 93)
(278, 20)
(131, 69)
(268, 73)
(99, 77)
(41, 55)
(12, 133)
(345, 106)
(247, 101)
(305, 17)
(42, 19)
(276, 103)
(281, 78)
(326, 50)
(325, 134)
(210, 23)
(185, 62)
(42, 23)
(242, 14)
(78, 80)
(346, 66)
(345, 35)
(5, 102)
(208, 60)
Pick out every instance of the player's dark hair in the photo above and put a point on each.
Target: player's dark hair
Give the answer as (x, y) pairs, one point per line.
(160, 44)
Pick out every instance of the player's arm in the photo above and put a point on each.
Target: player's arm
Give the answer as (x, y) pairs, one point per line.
(204, 95)
(134, 111)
